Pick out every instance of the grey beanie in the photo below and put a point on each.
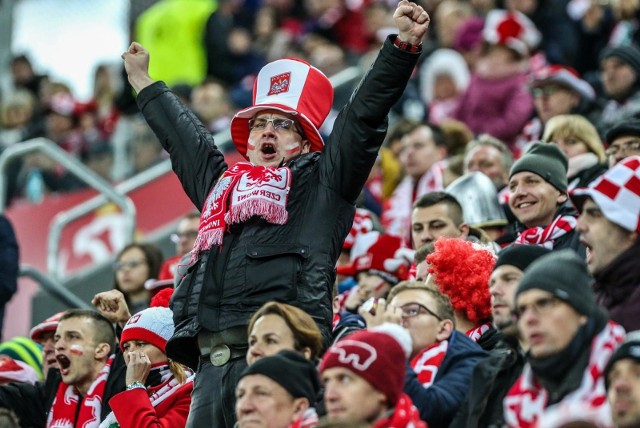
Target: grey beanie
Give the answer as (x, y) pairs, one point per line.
(564, 274)
(629, 54)
(547, 161)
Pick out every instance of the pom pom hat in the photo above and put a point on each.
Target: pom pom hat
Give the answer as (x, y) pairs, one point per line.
(153, 325)
(378, 355)
(511, 29)
(291, 86)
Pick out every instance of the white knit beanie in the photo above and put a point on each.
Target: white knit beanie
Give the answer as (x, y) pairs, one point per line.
(153, 325)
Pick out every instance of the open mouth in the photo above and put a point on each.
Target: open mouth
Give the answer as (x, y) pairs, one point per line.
(64, 363)
(268, 148)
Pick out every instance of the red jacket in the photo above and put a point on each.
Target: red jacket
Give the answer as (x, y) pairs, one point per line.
(133, 408)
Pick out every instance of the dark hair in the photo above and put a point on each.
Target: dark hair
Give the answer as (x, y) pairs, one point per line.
(436, 198)
(306, 333)
(153, 257)
(103, 329)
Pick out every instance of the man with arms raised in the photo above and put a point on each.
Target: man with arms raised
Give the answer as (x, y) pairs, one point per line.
(271, 229)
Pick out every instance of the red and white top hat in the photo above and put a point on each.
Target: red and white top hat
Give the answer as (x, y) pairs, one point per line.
(511, 29)
(291, 86)
(565, 76)
(617, 193)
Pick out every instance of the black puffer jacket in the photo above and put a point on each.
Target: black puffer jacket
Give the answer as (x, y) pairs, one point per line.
(258, 261)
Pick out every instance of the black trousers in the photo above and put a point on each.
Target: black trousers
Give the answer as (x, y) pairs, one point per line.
(213, 399)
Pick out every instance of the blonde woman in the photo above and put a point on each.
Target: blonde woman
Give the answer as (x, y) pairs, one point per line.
(577, 138)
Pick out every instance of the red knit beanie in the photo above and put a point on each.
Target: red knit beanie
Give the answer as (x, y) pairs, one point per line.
(378, 355)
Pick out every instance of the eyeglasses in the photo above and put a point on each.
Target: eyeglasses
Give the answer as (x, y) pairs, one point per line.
(540, 307)
(131, 264)
(277, 123)
(629, 146)
(176, 237)
(546, 90)
(412, 310)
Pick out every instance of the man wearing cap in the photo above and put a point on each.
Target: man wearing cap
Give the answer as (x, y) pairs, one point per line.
(279, 391)
(363, 376)
(609, 225)
(623, 384)
(619, 72)
(624, 140)
(538, 198)
(493, 376)
(556, 90)
(569, 339)
(271, 229)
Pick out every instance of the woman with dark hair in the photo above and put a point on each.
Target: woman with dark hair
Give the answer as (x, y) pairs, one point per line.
(276, 326)
(135, 264)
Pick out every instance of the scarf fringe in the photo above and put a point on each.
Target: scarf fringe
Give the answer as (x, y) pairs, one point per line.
(270, 212)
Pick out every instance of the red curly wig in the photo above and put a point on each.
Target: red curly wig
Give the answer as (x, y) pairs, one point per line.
(462, 272)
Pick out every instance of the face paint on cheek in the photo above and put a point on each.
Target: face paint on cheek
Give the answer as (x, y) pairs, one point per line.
(250, 145)
(292, 149)
(379, 286)
(76, 350)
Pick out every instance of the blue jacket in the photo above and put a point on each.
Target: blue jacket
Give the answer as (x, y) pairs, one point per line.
(439, 403)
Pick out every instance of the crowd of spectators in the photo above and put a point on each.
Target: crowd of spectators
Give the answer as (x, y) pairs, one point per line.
(490, 277)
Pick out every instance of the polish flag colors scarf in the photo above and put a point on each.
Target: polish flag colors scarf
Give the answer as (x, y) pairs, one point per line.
(476, 333)
(526, 402)
(545, 236)
(243, 191)
(64, 410)
(428, 361)
(405, 415)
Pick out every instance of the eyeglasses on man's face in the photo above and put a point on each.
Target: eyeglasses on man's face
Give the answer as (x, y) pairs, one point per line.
(131, 264)
(540, 306)
(547, 90)
(177, 237)
(260, 123)
(626, 147)
(412, 310)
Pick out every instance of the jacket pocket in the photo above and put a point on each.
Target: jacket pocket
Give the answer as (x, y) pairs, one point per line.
(273, 272)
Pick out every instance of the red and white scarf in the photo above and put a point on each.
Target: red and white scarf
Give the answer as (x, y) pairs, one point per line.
(64, 410)
(526, 401)
(243, 191)
(405, 415)
(156, 395)
(477, 332)
(546, 236)
(428, 361)
(308, 420)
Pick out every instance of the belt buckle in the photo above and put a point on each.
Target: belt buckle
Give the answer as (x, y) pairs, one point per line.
(220, 355)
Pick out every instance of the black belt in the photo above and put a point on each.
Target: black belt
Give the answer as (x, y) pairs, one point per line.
(221, 347)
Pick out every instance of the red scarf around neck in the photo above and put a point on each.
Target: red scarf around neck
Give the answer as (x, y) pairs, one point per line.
(243, 191)
(545, 236)
(476, 333)
(526, 402)
(405, 415)
(428, 361)
(64, 410)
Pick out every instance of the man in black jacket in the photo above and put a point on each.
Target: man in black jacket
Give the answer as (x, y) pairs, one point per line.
(271, 229)
(80, 389)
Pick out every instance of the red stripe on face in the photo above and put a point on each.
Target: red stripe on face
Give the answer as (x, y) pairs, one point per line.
(76, 350)
(292, 151)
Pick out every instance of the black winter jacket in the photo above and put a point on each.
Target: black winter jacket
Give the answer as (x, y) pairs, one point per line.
(257, 261)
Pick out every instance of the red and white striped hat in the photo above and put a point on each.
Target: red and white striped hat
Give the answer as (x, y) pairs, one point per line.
(291, 86)
(617, 193)
(50, 324)
(511, 29)
(565, 76)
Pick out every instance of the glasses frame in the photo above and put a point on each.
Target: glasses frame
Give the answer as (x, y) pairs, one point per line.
(540, 307)
(293, 125)
(131, 264)
(626, 147)
(422, 308)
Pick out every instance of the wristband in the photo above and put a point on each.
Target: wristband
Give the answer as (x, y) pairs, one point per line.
(407, 46)
(135, 385)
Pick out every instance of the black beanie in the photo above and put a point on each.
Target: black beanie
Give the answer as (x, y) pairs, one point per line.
(291, 370)
(520, 256)
(547, 161)
(630, 349)
(625, 128)
(564, 274)
(628, 54)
